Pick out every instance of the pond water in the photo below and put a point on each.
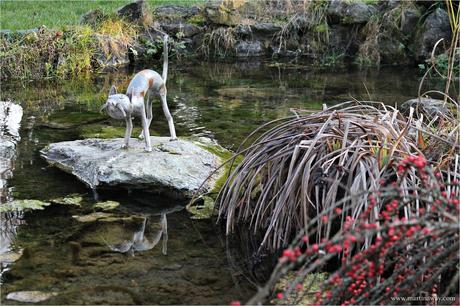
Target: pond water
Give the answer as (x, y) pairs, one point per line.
(223, 101)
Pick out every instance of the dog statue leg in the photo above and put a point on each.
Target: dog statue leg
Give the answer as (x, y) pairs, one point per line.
(168, 116)
(129, 130)
(145, 128)
(148, 112)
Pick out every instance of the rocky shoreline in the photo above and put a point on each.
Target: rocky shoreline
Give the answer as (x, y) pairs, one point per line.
(329, 33)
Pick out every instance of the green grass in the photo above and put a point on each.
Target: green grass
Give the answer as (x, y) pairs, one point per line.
(28, 14)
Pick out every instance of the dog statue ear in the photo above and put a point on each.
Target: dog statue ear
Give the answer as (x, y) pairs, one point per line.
(113, 90)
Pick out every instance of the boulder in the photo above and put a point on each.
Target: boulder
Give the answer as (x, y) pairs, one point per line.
(111, 52)
(429, 106)
(409, 20)
(343, 40)
(355, 12)
(266, 28)
(176, 11)
(249, 49)
(219, 14)
(187, 30)
(436, 26)
(134, 12)
(243, 31)
(174, 168)
(392, 51)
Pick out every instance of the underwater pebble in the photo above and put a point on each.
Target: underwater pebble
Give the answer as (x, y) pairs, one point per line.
(30, 296)
(19, 205)
(92, 217)
(69, 200)
(10, 257)
(107, 205)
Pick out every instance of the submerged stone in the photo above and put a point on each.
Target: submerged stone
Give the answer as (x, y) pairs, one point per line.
(92, 217)
(62, 120)
(69, 200)
(18, 205)
(30, 296)
(175, 168)
(10, 256)
(107, 205)
(105, 131)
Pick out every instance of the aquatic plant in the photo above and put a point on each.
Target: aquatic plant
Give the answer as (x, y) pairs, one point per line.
(306, 163)
(403, 243)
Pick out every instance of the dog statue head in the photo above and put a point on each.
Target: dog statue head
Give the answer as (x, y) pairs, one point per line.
(118, 106)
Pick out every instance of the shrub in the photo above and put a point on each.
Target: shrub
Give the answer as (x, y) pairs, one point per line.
(403, 243)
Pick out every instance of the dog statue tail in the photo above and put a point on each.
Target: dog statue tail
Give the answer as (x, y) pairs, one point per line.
(165, 58)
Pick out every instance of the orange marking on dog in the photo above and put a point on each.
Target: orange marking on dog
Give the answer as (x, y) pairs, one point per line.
(150, 83)
(142, 93)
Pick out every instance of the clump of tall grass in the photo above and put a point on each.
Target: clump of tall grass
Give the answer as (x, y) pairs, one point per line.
(112, 25)
(305, 164)
(46, 54)
(60, 54)
(308, 15)
(402, 243)
(219, 43)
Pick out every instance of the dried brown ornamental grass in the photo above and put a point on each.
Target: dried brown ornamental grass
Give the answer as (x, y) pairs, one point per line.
(306, 163)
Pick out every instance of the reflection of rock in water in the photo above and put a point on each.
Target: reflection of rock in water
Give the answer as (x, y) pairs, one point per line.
(10, 119)
(9, 224)
(123, 234)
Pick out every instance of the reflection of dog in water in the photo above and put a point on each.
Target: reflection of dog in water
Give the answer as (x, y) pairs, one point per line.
(140, 242)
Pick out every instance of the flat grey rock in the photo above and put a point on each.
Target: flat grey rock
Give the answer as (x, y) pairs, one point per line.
(176, 168)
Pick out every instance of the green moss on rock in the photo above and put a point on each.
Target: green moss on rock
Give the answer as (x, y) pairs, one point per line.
(203, 208)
